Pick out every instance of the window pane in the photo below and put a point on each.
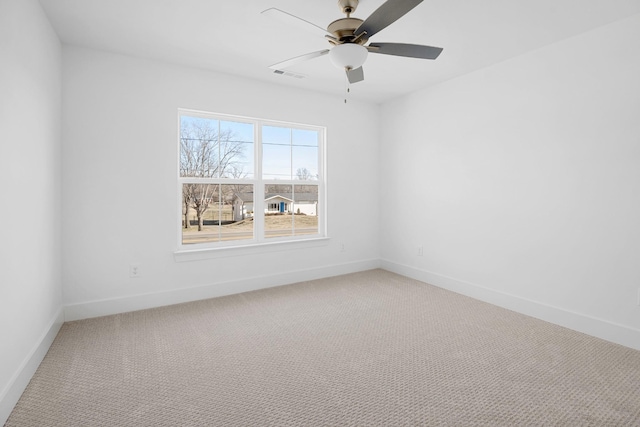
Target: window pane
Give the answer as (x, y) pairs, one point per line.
(211, 148)
(276, 135)
(236, 212)
(278, 220)
(304, 137)
(276, 161)
(304, 154)
(305, 209)
(236, 150)
(214, 213)
(198, 147)
(305, 162)
(289, 153)
(276, 152)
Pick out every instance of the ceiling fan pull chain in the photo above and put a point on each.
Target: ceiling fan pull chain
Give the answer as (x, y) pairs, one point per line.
(347, 88)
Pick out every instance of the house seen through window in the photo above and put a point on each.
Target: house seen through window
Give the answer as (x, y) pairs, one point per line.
(245, 181)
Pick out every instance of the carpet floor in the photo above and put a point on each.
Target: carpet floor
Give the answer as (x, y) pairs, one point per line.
(364, 349)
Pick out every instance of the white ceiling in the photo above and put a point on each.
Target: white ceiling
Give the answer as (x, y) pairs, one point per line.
(233, 37)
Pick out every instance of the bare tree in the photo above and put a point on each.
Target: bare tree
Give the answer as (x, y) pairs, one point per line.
(205, 152)
(236, 173)
(187, 190)
(303, 174)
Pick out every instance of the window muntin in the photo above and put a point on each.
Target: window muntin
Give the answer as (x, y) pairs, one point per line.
(211, 148)
(218, 213)
(290, 153)
(247, 181)
(292, 210)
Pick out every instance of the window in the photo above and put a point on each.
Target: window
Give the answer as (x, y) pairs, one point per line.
(248, 181)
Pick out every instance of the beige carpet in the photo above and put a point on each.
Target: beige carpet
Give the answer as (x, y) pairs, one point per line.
(364, 349)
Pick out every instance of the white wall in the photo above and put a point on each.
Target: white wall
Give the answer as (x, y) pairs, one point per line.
(523, 183)
(120, 186)
(30, 261)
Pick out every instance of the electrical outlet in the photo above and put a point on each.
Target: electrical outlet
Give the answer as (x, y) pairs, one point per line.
(420, 250)
(342, 247)
(638, 296)
(134, 270)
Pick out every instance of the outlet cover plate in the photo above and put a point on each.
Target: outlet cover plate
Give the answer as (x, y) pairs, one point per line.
(134, 270)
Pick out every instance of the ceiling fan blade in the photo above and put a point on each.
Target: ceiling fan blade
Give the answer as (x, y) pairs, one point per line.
(356, 75)
(298, 59)
(403, 49)
(385, 15)
(289, 19)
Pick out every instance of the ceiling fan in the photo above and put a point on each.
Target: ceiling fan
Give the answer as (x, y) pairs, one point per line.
(349, 35)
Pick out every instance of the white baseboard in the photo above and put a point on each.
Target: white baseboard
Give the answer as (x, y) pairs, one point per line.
(613, 332)
(158, 299)
(11, 394)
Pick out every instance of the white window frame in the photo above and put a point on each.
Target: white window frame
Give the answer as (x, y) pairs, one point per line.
(258, 183)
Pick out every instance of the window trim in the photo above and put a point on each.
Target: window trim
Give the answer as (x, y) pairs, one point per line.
(186, 255)
(259, 240)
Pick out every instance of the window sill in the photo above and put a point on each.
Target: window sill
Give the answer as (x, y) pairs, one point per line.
(185, 255)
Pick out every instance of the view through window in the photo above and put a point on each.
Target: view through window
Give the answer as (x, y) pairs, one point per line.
(248, 180)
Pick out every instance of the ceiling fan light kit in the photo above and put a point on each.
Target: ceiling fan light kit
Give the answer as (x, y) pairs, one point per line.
(348, 55)
(349, 35)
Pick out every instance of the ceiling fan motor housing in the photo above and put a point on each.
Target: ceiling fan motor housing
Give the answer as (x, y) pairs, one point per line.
(343, 30)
